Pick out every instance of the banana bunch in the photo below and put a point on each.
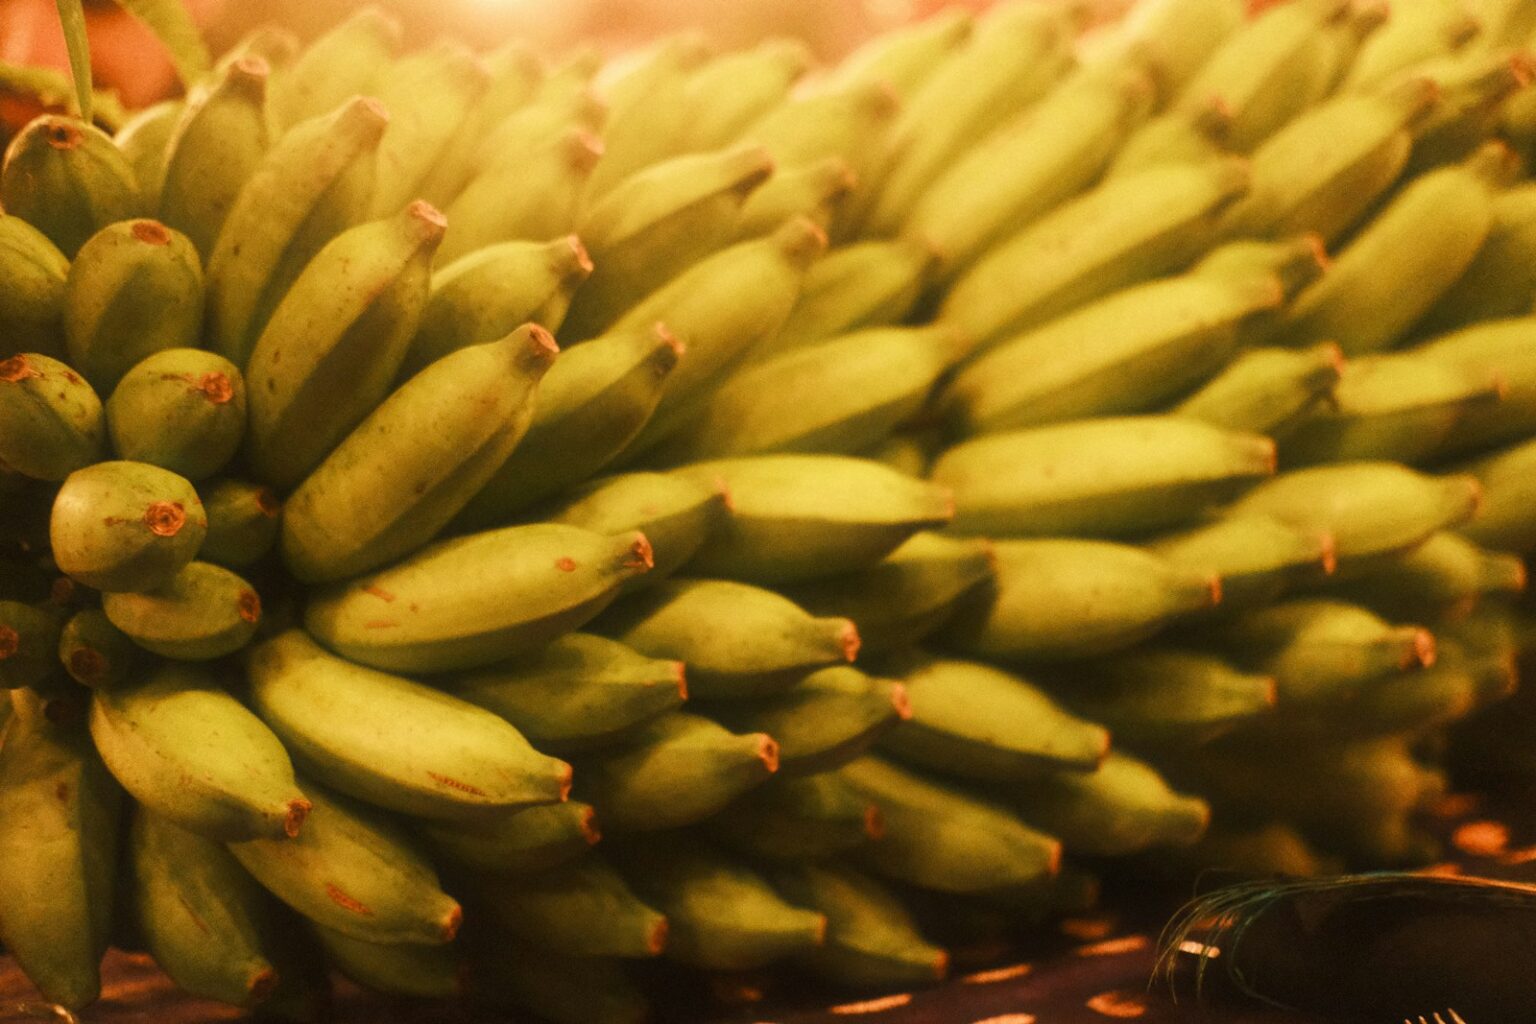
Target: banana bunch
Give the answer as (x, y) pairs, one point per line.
(476, 522)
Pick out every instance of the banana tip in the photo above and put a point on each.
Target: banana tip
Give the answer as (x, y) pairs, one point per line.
(874, 822)
(1422, 651)
(640, 558)
(680, 671)
(451, 923)
(261, 986)
(848, 639)
(563, 777)
(1330, 553)
(298, 810)
(656, 941)
(768, 752)
(151, 232)
(1213, 588)
(10, 643)
(901, 701)
(589, 827)
(62, 132)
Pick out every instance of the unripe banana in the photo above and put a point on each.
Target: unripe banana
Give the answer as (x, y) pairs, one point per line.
(143, 138)
(29, 634)
(315, 181)
(1058, 599)
(335, 342)
(584, 908)
(563, 989)
(51, 421)
(203, 612)
(1502, 349)
(647, 115)
(94, 652)
(676, 514)
(1446, 575)
(58, 848)
(1266, 390)
(530, 840)
(1505, 22)
(941, 838)
(1476, 89)
(906, 56)
(516, 74)
(478, 599)
(181, 409)
(809, 818)
(721, 915)
(818, 191)
(851, 121)
(219, 139)
(67, 179)
(1505, 519)
(125, 525)
(564, 103)
(1123, 807)
(1123, 232)
(189, 751)
(735, 89)
(135, 289)
(1414, 33)
(272, 43)
(427, 94)
(400, 969)
(905, 596)
(392, 742)
(1499, 282)
(355, 872)
(1175, 36)
(345, 61)
(584, 692)
(679, 770)
(242, 523)
(397, 479)
(863, 285)
(1273, 849)
(207, 923)
(1188, 134)
(1257, 557)
(32, 276)
(977, 722)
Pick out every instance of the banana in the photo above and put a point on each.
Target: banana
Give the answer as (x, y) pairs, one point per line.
(1058, 599)
(203, 612)
(852, 121)
(1273, 849)
(1190, 133)
(527, 841)
(1026, 168)
(977, 722)
(584, 692)
(1123, 807)
(51, 421)
(858, 286)
(515, 76)
(818, 191)
(676, 514)
(58, 848)
(906, 56)
(271, 43)
(732, 90)
(1504, 519)
(1267, 390)
(347, 60)
(1168, 698)
(1476, 90)
(207, 923)
(679, 770)
(797, 819)
(219, 139)
(392, 742)
(1505, 22)
(871, 941)
(475, 600)
(1256, 556)
(242, 523)
(181, 409)
(827, 719)
(562, 989)
(32, 283)
(1500, 348)
(407, 469)
(1370, 508)
(29, 642)
(1175, 36)
(592, 403)
(94, 652)
(563, 102)
(647, 113)
(656, 223)
(799, 517)
(583, 908)
(841, 396)
(401, 969)
(1125, 231)
(143, 139)
(939, 837)
(125, 525)
(721, 915)
(355, 872)
(1412, 35)
(189, 751)
(335, 342)
(315, 181)
(67, 179)
(1447, 575)
(134, 289)
(906, 595)
(1499, 281)
(1131, 350)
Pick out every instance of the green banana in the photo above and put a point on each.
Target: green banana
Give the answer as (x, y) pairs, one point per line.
(58, 848)
(189, 751)
(680, 769)
(676, 514)
(1058, 599)
(1266, 390)
(1446, 575)
(94, 652)
(475, 600)
(862, 285)
(1256, 556)
(1504, 519)
(1476, 90)
(1125, 231)
(799, 517)
(852, 121)
(51, 421)
(734, 89)
(1190, 133)
(29, 642)
(32, 284)
(125, 525)
(67, 179)
(402, 969)
(182, 409)
(392, 742)
(203, 612)
(978, 722)
(527, 841)
(272, 43)
(647, 116)
(1272, 849)
(1108, 477)
(584, 692)
(345, 61)
(797, 819)
(1123, 807)
(1499, 281)
(1413, 34)
(939, 837)
(134, 289)
(566, 990)
(1500, 348)
(242, 523)
(335, 342)
(218, 141)
(818, 191)
(315, 181)
(906, 56)
(356, 872)
(407, 469)
(906, 595)
(593, 402)
(1175, 36)
(828, 718)
(207, 923)
(516, 75)
(582, 908)
(143, 138)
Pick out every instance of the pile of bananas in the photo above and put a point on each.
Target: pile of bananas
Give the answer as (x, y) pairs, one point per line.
(916, 425)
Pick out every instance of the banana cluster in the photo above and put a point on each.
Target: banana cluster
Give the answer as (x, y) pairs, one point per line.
(957, 467)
